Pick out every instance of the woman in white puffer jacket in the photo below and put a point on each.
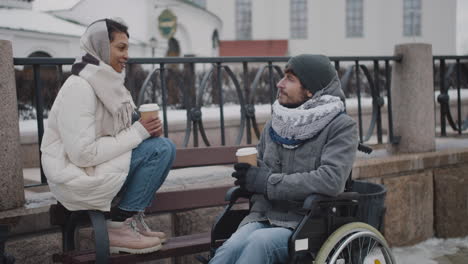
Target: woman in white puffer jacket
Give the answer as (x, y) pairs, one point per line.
(91, 150)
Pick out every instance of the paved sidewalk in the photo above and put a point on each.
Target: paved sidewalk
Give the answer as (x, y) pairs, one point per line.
(434, 251)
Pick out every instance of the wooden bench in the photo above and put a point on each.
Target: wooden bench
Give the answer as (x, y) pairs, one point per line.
(173, 201)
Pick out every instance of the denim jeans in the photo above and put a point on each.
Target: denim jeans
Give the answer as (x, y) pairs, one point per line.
(149, 166)
(256, 243)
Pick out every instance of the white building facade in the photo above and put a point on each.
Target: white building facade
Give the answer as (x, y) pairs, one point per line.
(341, 27)
(55, 32)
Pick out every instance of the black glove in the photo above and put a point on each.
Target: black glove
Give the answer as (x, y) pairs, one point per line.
(251, 178)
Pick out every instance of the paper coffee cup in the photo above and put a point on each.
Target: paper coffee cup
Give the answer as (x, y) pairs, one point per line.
(149, 110)
(247, 155)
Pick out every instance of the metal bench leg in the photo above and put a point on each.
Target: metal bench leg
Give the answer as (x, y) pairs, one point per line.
(68, 231)
(101, 237)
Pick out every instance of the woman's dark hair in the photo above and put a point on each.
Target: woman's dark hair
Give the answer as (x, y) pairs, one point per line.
(114, 26)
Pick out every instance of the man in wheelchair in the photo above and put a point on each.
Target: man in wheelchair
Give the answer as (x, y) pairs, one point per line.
(308, 146)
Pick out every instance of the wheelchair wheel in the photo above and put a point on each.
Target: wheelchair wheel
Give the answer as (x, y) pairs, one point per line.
(355, 243)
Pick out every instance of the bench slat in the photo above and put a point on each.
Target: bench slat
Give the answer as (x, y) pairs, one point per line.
(196, 157)
(177, 246)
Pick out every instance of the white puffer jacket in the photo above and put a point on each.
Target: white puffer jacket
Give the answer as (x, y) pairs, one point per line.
(85, 167)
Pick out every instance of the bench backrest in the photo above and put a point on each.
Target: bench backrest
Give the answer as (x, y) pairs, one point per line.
(197, 198)
(207, 156)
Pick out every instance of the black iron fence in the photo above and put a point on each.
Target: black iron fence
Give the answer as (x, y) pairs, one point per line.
(451, 73)
(192, 83)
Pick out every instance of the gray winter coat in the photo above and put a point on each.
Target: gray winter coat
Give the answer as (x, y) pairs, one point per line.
(320, 165)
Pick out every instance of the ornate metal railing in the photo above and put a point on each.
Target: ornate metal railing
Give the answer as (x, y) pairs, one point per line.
(355, 75)
(450, 77)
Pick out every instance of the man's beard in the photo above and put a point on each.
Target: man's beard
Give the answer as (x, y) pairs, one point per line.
(296, 105)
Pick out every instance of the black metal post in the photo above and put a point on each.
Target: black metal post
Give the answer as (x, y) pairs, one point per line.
(378, 98)
(162, 71)
(358, 91)
(337, 67)
(459, 99)
(443, 93)
(247, 96)
(389, 102)
(39, 113)
(221, 102)
(272, 88)
(195, 134)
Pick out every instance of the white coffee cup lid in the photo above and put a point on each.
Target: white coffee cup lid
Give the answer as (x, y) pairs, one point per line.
(148, 107)
(246, 151)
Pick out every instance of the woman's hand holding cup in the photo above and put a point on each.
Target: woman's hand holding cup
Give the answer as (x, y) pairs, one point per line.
(153, 125)
(150, 119)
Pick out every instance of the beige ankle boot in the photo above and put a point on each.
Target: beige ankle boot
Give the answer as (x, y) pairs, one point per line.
(145, 230)
(124, 237)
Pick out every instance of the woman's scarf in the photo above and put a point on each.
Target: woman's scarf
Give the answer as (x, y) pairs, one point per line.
(108, 85)
(292, 126)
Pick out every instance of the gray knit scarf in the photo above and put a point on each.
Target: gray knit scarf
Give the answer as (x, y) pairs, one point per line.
(307, 120)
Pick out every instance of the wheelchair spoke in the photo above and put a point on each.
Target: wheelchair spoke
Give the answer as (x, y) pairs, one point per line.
(360, 248)
(350, 254)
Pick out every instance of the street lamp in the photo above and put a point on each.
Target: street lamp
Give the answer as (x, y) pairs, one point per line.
(153, 44)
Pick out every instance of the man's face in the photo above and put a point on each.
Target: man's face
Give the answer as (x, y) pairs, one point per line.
(290, 90)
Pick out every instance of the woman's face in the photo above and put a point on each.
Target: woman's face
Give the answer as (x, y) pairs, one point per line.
(119, 51)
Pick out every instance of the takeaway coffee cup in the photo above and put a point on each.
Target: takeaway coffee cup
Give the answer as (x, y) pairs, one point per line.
(149, 110)
(247, 155)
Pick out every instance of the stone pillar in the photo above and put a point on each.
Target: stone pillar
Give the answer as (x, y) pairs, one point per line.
(413, 99)
(11, 173)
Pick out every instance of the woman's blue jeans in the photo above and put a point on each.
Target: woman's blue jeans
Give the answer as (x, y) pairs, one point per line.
(149, 166)
(256, 242)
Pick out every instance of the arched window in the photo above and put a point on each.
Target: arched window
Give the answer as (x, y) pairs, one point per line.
(40, 54)
(215, 39)
(174, 48)
(298, 19)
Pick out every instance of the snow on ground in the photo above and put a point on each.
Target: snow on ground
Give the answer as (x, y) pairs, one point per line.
(427, 251)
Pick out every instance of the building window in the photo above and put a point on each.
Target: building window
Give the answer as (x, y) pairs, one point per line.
(412, 18)
(243, 19)
(354, 19)
(298, 19)
(215, 39)
(200, 3)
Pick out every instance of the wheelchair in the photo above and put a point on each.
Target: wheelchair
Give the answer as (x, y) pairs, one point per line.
(334, 230)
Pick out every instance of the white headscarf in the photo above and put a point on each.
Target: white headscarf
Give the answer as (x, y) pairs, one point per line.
(95, 41)
(108, 84)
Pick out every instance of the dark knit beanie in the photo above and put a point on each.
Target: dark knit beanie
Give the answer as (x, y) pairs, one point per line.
(314, 71)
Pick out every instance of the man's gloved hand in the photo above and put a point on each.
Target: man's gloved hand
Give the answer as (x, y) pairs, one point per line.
(251, 178)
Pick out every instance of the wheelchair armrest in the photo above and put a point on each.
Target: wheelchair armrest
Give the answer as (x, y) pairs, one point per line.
(234, 193)
(312, 200)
